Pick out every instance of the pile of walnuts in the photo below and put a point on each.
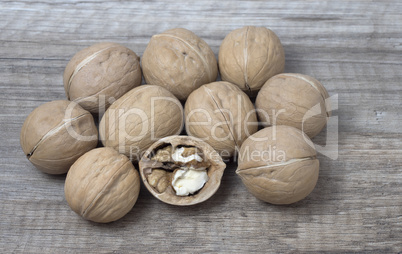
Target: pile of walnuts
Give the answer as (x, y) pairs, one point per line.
(141, 124)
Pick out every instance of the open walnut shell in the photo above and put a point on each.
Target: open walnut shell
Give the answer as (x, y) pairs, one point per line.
(157, 167)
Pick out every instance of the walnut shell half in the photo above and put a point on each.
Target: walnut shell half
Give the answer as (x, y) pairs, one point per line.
(157, 169)
(278, 165)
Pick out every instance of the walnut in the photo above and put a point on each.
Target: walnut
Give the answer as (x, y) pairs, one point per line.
(100, 74)
(249, 56)
(179, 61)
(159, 179)
(56, 134)
(102, 185)
(163, 155)
(139, 118)
(296, 100)
(222, 115)
(278, 165)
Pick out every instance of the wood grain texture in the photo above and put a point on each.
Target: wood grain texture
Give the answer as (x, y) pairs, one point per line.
(353, 47)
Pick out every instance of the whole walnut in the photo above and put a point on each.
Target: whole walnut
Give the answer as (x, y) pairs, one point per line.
(56, 134)
(222, 115)
(100, 74)
(278, 165)
(179, 61)
(139, 118)
(249, 56)
(296, 100)
(102, 185)
(181, 170)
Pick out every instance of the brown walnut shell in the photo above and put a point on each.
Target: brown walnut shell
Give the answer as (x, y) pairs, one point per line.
(249, 56)
(179, 61)
(278, 165)
(222, 115)
(296, 100)
(56, 134)
(215, 170)
(102, 185)
(139, 118)
(100, 74)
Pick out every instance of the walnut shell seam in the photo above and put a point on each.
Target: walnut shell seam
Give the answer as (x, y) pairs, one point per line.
(223, 115)
(278, 164)
(53, 131)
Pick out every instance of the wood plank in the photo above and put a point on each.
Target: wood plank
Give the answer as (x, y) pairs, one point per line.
(352, 47)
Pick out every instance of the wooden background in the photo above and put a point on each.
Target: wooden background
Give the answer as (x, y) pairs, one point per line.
(353, 47)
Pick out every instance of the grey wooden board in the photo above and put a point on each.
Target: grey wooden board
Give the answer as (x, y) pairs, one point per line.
(353, 47)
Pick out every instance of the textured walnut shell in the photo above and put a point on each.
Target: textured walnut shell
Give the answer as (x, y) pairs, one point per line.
(102, 185)
(56, 134)
(222, 115)
(180, 61)
(215, 170)
(296, 100)
(139, 118)
(278, 165)
(100, 74)
(249, 56)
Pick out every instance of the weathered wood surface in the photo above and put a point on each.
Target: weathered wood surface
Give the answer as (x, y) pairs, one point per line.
(353, 47)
